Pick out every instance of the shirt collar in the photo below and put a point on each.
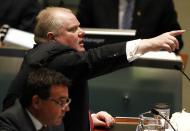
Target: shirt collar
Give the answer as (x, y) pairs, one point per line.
(37, 124)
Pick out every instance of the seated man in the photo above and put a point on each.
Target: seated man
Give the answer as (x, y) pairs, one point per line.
(43, 103)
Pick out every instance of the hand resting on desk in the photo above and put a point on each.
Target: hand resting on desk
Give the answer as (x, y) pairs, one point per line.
(102, 119)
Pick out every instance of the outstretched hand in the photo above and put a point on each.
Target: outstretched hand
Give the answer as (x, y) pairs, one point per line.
(165, 41)
(102, 119)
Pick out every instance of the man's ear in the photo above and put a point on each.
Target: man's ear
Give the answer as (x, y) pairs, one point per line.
(36, 101)
(50, 36)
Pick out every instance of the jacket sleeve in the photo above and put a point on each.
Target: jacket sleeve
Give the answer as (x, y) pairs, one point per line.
(6, 125)
(93, 62)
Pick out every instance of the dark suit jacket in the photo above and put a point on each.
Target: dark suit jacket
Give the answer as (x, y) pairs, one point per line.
(79, 67)
(19, 14)
(150, 17)
(16, 119)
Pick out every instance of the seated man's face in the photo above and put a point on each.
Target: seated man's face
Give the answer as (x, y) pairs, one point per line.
(52, 110)
(70, 33)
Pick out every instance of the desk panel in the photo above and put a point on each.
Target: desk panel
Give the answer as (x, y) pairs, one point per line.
(123, 124)
(133, 90)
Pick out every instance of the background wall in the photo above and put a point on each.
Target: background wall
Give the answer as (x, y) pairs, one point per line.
(183, 9)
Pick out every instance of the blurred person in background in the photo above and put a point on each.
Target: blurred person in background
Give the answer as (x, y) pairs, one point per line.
(19, 14)
(148, 17)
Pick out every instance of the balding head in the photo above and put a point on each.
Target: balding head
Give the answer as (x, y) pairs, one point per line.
(59, 25)
(50, 19)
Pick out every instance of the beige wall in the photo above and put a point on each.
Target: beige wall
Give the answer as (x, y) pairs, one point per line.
(183, 9)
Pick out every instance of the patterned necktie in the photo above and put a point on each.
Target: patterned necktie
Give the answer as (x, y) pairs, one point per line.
(128, 15)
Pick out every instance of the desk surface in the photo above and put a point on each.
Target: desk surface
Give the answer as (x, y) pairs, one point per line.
(123, 124)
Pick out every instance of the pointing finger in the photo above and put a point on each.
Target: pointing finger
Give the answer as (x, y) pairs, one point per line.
(176, 32)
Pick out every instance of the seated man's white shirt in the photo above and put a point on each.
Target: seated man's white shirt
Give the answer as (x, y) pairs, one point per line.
(38, 125)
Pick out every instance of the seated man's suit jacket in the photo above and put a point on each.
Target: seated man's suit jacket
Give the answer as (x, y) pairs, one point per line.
(17, 119)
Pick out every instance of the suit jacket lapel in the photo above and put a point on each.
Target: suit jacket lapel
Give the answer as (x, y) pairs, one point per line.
(23, 120)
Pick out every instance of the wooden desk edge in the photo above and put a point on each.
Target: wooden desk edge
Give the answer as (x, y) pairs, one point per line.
(123, 120)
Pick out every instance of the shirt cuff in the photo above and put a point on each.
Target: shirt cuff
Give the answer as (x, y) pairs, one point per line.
(131, 50)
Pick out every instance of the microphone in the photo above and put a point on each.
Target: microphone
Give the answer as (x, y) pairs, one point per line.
(178, 68)
(155, 112)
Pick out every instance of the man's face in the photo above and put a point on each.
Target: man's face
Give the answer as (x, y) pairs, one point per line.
(70, 33)
(52, 110)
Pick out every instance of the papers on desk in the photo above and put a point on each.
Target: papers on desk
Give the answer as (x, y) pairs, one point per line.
(181, 121)
(162, 55)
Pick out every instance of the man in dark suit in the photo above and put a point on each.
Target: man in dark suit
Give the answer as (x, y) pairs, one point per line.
(44, 101)
(60, 46)
(149, 17)
(19, 14)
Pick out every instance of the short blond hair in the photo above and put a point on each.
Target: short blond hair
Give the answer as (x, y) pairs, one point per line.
(47, 21)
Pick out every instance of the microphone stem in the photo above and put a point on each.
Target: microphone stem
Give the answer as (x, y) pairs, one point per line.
(168, 122)
(185, 75)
